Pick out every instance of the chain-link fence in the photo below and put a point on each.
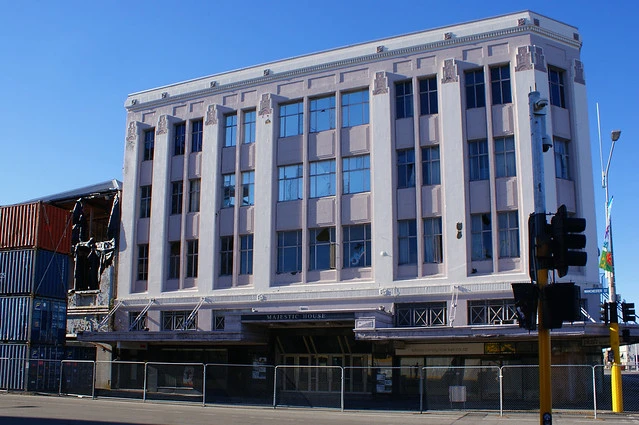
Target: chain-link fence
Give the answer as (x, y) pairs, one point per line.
(510, 388)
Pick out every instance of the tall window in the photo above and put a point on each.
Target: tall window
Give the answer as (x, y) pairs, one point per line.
(356, 175)
(404, 99)
(145, 201)
(322, 248)
(428, 96)
(149, 144)
(192, 248)
(289, 251)
(228, 190)
(433, 240)
(505, 156)
(292, 119)
(178, 320)
(194, 195)
(500, 84)
(248, 188)
(176, 197)
(556, 82)
(478, 156)
(355, 108)
(562, 159)
(322, 176)
(430, 166)
(407, 241)
(180, 139)
(508, 234)
(226, 255)
(230, 130)
(481, 236)
(290, 182)
(249, 127)
(143, 261)
(322, 114)
(246, 254)
(196, 136)
(357, 245)
(406, 168)
(174, 260)
(475, 90)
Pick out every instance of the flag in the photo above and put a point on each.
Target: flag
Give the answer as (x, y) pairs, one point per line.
(605, 262)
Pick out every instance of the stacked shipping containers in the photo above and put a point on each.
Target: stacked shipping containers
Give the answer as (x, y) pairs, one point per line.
(35, 242)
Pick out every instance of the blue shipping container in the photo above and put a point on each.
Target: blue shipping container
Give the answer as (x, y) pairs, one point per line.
(35, 320)
(34, 272)
(30, 367)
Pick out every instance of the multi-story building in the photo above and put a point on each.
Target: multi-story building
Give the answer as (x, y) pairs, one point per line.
(367, 204)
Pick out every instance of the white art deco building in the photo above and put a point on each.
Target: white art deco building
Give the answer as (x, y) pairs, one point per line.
(366, 204)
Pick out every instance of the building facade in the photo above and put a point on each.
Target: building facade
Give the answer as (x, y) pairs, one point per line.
(363, 205)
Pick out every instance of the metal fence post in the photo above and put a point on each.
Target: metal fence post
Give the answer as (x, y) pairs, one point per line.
(343, 386)
(594, 391)
(204, 387)
(95, 371)
(501, 392)
(61, 373)
(144, 388)
(275, 388)
(421, 390)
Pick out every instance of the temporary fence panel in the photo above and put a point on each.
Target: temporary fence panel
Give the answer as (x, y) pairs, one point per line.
(382, 387)
(120, 379)
(76, 377)
(44, 368)
(461, 387)
(308, 386)
(35, 272)
(239, 384)
(174, 381)
(35, 225)
(34, 320)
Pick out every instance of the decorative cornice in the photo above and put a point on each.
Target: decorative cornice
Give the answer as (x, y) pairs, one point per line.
(136, 105)
(162, 126)
(265, 105)
(450, 72)
(579, 72)
(211, 115)
(380, 85)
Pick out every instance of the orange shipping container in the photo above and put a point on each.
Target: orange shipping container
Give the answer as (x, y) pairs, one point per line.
(35, 225)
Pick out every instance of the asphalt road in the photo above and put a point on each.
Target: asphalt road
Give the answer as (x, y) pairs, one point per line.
(24, 409)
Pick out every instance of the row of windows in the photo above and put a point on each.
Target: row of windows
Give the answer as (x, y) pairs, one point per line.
(356, 243)
(355, 108)
(480, 312)
(173, 321)
(356, 175)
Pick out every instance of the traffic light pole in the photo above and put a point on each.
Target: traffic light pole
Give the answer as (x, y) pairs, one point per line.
(615, 372)
(538, 108)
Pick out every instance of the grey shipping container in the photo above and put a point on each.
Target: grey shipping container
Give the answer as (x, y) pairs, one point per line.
(30, 367)
(34, 320)
(34, 272)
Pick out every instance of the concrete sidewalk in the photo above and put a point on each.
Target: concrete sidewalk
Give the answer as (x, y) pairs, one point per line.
(24, 409)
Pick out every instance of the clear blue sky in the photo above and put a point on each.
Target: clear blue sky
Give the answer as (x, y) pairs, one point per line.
(66, 68)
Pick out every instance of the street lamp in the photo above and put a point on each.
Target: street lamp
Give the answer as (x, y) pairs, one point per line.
(617, 398)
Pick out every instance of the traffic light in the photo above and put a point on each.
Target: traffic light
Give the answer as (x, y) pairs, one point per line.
(603, 312)
(539, 244)
(567, 241)
(628, 312)
(526, 299)
(560, 304)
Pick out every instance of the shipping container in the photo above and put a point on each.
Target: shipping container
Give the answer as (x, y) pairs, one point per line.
(30, 367)
(33, 320)
(34, 272)
(35, 225)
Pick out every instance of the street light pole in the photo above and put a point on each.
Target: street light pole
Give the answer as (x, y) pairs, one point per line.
(617, 396)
